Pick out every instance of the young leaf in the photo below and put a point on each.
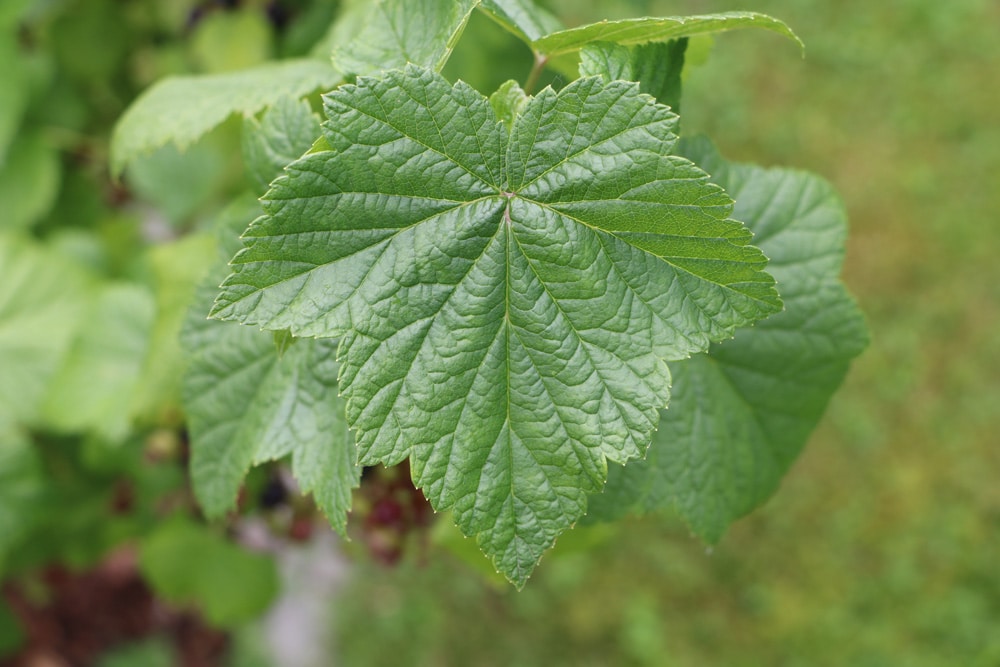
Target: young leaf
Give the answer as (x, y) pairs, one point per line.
(522, 17)
(287, 131)
(181, 109)
(608, 60)
(376, 35)
(642, 30)
(506, 302)
(740, 414)
(508, 101)
(656, 66)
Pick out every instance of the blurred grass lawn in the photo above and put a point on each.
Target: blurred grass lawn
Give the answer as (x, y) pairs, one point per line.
(882, 547)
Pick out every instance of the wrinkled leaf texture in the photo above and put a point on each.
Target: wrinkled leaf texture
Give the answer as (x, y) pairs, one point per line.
(506, 301)
(375, 35)
(249, 402)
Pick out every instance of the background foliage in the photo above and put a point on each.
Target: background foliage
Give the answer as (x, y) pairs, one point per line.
(880, 548)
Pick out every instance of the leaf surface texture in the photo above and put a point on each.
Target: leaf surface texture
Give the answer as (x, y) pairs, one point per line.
(375, 35)
(506, 300)
(249, 402)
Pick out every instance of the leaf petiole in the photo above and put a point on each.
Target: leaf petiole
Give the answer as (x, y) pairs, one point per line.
(541, 60)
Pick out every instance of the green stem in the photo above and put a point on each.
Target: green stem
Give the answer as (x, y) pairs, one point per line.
(536, 71)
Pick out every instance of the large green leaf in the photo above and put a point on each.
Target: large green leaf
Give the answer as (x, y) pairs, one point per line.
(523, 18)
(740, 414)
(506, 300)
(375, 35)
(181, 109)
(649, 29)
(42, 300)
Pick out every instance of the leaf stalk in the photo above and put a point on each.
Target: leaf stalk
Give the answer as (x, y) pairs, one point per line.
(541, 60)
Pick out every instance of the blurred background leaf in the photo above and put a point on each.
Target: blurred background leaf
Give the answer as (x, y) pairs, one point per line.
(230, 585)
(93, 389)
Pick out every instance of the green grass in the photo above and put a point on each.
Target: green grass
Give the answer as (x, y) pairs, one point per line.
(881, 546)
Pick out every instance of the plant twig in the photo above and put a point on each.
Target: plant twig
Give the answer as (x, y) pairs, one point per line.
(536, 71)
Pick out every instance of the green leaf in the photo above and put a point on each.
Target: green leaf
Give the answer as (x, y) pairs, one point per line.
(287, 130)
(181, 109)
(608, 60)
(197, 330)
(180, 183)
(523, 18)
(508, 101)
(177, 269)
(187, 564)
(642, 30)
(304, 32)
(11, 634)
(15, 91)
(21, 485)
(94, 388)
(29, 181)
(656, 66)
(246, 404)
(91, 41)
(41, 303)
(375, 35)
(11, 13)
(230, 41)
(506, 301)
(282, 341)
(740, 414)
